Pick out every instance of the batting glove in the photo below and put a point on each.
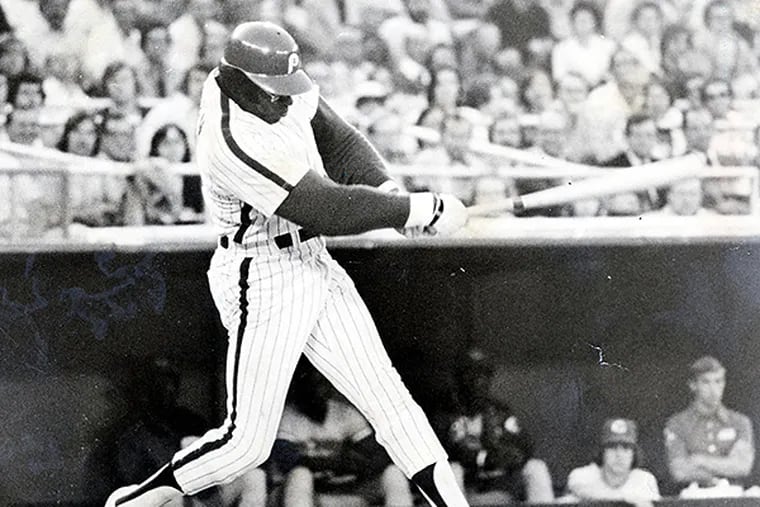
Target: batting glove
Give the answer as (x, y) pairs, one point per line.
(438, 214)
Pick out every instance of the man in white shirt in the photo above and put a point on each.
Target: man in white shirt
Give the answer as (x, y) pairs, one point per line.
(614, 475)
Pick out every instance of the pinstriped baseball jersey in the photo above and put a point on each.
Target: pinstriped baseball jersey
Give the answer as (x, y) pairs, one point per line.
(248, 166)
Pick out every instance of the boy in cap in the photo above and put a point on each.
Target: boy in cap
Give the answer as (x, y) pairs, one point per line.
(615, 475)
(707, 441)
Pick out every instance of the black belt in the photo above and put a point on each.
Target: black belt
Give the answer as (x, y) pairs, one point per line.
(282, 241)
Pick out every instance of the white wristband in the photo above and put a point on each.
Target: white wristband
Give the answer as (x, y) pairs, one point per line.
(421, 209)
(480, 459)
(389, 186)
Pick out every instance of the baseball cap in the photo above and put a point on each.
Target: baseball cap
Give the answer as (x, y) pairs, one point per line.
(705, 364)
(619, 431)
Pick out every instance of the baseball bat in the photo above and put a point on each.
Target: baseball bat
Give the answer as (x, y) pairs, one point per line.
(656, 174)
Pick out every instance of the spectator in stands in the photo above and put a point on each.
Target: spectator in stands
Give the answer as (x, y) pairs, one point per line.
(491, 453)
(168, 148)
(669, 121)
(115, 38)
(685, 198)
(46, 29)
(601, 123)
(154, 71)
(720, 44)
(645, 38)
(154, 195)
(14, 57)
(572, 92)
(119, 83)
(61, 82)
(186, 35)
(444, 95)
(520, 22)
(215, 37)
(95, 199)
(477, 49)
(615, 474)
(181, 108)
(386, 133)
(707, 441)
(117, 137)
(641, 140)
(23, 127)
(453, 155)
(678, 59)
(442, 56)
(409, 36)
(586, 51)
(80, 135)
(505, 131)
(717, 98)
(25, 91)
(370, 102)
(536, 91)
(325, 446)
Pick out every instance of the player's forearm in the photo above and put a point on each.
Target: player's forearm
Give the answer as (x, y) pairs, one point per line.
(324, 207)
(685, 470)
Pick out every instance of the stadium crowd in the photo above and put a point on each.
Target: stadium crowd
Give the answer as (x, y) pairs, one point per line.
(601, 82)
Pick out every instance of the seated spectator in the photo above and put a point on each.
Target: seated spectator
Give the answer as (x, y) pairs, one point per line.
(503, 98)
(370, 102)
(170, 145)
(521, 22)
(186, 35)
(668, 119)
(505, 131)
(717, 98)
(586, 51)
(444, 95)
(409, 36)
(25, 91)
(386, 133)
(95, 199)
(728, 53)
(453, 155)
(678, 58)
(23, 127)
(601, 123)
(325, 446)
(47, 28)
(615, 474)
(154, 195)
(685, 199)
(536, 91)
(215, 37)
(61, 85)
(14, 57)
(491, 453)
(477, 49)
(645, 38)
(181, 108)
(641, 140)
(119, 84)
(156, 69)
(115, 38)
(707, 441)
(117, 137)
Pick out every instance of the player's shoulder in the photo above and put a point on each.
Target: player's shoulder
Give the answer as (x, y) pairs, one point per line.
(680, 419)
(737, 418)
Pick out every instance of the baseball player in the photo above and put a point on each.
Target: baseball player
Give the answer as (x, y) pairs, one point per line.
(280, 169)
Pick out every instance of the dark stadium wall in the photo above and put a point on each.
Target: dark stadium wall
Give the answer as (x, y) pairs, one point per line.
(580, 333)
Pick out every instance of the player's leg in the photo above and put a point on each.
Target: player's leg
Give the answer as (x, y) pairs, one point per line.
(346, 348)
(268, 317)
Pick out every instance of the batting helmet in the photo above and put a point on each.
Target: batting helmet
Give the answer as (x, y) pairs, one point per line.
(269, 56)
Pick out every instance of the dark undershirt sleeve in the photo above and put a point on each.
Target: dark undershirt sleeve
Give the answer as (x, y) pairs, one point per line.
(348, 156)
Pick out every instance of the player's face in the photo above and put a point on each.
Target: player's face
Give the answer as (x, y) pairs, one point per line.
(708, 388)
(271, 107)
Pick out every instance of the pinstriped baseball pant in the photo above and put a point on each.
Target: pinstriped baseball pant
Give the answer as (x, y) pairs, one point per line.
(275, 307)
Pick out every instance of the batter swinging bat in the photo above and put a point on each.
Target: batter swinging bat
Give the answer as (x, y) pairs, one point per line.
(656, 174)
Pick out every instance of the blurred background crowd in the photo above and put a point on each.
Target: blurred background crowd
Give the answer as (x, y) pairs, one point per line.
(612, 83)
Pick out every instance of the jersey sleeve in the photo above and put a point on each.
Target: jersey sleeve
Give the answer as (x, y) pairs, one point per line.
(674, 442)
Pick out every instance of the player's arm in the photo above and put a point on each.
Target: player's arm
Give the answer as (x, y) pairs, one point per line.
(348, 156)
(682, 465)
(325, 207)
